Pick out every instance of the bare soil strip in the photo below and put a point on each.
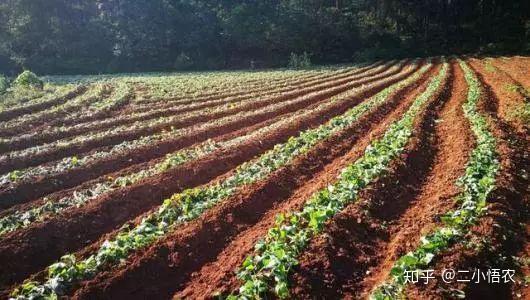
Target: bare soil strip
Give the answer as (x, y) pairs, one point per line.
(34, 121)
(83, 116)
(226, 90)
(31, 249)
(399, 210)
(257, 130)
(220, 274)
(510, 97)
(248, 93)
(166, 107)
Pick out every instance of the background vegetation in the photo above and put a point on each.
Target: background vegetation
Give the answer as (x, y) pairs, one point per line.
(94, 36)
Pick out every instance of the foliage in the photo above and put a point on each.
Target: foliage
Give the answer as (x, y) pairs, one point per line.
(21, 219)
(489, 66)
(521, 112)
(4, 84)
(25, 217)
(119, 36)
(18, 97)
(28, 79)
(301, 61)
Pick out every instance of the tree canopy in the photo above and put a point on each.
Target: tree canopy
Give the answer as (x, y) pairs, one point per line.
(95, 36)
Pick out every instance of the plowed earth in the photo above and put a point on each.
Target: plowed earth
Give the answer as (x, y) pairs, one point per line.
(358, 246)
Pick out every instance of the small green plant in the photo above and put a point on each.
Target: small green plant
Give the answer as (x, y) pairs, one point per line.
(4, 84)
(28, 79)
(521, 112)
(489, 66)
(513, 88)
(14, 175)
(74, 161)
(299, 61)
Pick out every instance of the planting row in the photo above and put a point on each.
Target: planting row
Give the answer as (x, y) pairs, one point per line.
(241, 92)
(162, 117)
(191, 203)
(77, 161)
(166, 107)
(20, 97)
(25, 217)
(29, 121)
(58, 96)
(266, 271)
(103, 100)
(476, 184)
(185, 87)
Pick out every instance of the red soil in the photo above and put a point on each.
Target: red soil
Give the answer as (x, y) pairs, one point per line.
(288, 85)
(7, 165)
(183, 252)
(123, 117)
(35, 124)
(24, 192)
(501, 232)
(518, 68)
(78, 227)
(358, 246)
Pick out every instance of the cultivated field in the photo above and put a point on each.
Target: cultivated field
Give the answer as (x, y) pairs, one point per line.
(326, 183)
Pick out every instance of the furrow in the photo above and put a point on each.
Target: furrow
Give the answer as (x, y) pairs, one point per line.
(499, 236)
(184, 206)
(122, 115)
(477, 183)
(516, 68)
(98, 163)
(259, 87)
(244, 210)
(60, 149)
(224, 279)
(362, 243)
(32, 121)
(9, 114)
(24, 215)
(103, 215)
(161, 119)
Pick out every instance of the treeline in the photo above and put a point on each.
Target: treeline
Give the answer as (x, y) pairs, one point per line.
(94, 36)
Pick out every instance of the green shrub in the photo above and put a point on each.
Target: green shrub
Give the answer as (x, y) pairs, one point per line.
(28, 79)
(299, 61)
(4, 84)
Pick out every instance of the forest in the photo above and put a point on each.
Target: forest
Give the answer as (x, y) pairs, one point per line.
(105, 36)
